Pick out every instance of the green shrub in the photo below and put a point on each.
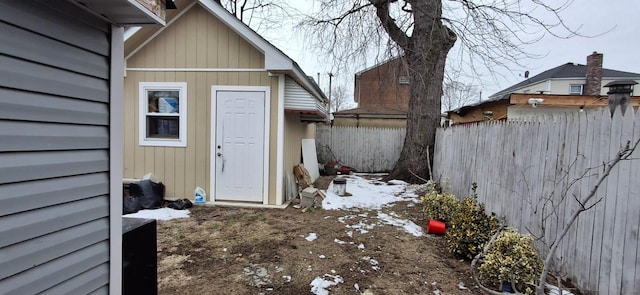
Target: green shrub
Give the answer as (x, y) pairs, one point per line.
(469, 229)
(511, 258)
(440, 206)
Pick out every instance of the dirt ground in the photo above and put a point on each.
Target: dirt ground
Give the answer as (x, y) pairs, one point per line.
(264, 251)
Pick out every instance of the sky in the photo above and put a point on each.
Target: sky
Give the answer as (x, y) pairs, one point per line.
(612, 26)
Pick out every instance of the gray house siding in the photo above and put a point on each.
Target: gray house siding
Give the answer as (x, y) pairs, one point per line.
(54, 149)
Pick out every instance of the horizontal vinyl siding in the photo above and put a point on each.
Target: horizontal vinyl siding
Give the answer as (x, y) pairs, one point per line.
(27, 75)
(85, 283)
(59, 271)
(297, 98)
(104, 290)
(23, 196)
(24, 105)
(54, 149)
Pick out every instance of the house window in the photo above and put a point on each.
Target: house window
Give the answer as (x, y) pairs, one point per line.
(163, 114)
(575, 89)
(403, 80)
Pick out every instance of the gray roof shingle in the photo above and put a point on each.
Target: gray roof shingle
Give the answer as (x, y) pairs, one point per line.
(568, 70)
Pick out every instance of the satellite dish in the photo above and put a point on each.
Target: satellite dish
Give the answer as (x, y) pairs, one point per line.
(526, 74)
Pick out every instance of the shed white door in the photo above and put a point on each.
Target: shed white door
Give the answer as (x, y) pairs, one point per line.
(239, 145)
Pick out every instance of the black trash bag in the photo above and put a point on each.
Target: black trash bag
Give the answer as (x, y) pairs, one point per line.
(130, 205)
(149, 193)
(179, 204)
(158, 190)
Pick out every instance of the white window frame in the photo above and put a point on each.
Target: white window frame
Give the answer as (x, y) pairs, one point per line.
(143, 99)
(574, 93)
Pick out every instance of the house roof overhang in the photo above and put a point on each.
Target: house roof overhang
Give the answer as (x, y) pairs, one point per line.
(124, 12)
(549, 100)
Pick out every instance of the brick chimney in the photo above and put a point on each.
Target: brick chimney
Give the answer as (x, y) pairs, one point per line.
(594, 74)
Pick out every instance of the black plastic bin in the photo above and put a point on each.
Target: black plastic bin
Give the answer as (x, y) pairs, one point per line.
(139, 256)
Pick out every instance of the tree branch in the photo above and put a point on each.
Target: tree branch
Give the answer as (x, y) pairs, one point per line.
(388, 23)
(624, 153)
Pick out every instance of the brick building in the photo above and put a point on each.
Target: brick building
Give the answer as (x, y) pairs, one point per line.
(382, 94)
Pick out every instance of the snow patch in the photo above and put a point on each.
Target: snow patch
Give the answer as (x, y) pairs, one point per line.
(311, 237)
(159, 214)
(319, 285)
(365, 194)
(554, 290)
(408, 225)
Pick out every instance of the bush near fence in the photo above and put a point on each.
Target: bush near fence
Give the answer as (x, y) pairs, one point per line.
(521, 166)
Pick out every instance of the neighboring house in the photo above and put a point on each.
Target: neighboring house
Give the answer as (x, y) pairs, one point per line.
(566, 88)
(211, 104)
(382, 93)
(61, 65)
(520, 105)
(570, 78)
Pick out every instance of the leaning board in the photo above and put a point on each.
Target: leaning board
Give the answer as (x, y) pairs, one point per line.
(310, 158)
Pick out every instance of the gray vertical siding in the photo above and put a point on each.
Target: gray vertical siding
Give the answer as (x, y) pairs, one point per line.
(54, 149)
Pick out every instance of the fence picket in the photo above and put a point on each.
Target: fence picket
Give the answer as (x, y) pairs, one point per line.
(518, 165)
(630, 267)
(364, 149)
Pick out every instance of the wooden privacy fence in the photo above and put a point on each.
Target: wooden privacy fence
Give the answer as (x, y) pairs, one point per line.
(366, 149)
(523, 170)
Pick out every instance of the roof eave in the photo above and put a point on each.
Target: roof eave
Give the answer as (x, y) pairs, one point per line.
(275, 60)
(124, 12)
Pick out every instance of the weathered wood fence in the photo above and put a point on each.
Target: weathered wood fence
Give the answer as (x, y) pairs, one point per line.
(529, 173)
(364, 148)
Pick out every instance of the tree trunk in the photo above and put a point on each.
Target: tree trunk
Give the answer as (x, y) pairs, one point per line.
(425, 55)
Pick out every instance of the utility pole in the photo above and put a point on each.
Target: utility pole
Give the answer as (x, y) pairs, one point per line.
(330, 76)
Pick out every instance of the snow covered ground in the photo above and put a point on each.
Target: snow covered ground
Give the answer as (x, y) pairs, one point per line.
(368, 198)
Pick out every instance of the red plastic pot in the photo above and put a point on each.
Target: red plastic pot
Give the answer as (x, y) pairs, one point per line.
(436, 227)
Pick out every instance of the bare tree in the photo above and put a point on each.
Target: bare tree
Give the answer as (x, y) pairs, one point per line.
(340, 99)
(423, 32)
(457, 94)
(261, 15)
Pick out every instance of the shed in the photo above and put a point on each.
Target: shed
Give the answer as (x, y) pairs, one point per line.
(61, 65)
(212, 104)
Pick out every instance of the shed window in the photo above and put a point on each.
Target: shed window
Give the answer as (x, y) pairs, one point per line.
(163, 114)
(575, 89)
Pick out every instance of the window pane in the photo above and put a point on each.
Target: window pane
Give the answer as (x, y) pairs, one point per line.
(575, 89)
(163, 101)
(163, 127)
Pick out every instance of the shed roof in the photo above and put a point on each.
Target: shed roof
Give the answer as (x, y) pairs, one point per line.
(276, 61)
